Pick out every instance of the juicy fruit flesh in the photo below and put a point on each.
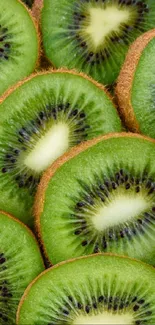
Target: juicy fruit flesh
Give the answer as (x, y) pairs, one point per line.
(118, 288)
(103, 22)
(143, 102)
(114, 171)
(20, 263)
(105, 318)
(49, 148)
(43, 118)
(17, 57)
(90, 34)
(121, 208)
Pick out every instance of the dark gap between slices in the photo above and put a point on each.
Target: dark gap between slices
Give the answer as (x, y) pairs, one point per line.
(102, 199)
(93, 36)
(41, 119)
(93, 290)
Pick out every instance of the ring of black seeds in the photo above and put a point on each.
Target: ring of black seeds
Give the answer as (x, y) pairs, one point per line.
(101, 191)
(5, 45)
(25, 133)
(78, 22)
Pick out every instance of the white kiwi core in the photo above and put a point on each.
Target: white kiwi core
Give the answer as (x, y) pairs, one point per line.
(105, 318)
(51, 145)
(121, 208)
(104, 21)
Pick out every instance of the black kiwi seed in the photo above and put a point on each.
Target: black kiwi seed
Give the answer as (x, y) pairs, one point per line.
(84, 243)
(27, 131)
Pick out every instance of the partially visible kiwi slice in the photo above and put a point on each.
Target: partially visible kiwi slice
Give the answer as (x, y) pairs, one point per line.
(99, 289)
(136, 86)
(93, 36)
(19, 45)
(40, 120)
(20, 263)
(100, 197)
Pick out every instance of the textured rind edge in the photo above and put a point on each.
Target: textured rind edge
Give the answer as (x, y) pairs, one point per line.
(36, 12)
(26, 228)
(61, 70)
(49, 173)
(148, 266)
(125, 80)
(37, 8)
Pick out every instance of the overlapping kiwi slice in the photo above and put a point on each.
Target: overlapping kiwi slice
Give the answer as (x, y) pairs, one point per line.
(93, 35)
(19, 45)
(40, 120)
(100, 197)
(99, 289)
(136, 86)
(20, 263)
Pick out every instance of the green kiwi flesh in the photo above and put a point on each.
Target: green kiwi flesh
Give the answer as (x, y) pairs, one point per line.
(20, 263)
(99, 289)
(18, 43)
(93, 36)
(101, 200)
(40, 120)
(143, 102)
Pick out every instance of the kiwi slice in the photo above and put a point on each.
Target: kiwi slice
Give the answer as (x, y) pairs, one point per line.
(99, 289)
(20, 263)
(40, 120)
(18, 43)
(100, 197)
(136, 86)
(93, 36)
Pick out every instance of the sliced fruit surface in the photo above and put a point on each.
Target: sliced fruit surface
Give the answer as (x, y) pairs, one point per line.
(40, 120)
(19, 45)
(93, 36)
(101, 199)
(20, 263)
(99, 289)
(136, 86)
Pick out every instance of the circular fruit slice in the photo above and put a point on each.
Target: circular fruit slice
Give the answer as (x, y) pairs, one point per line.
(40, 120)
(99, 289)
(20, 263)
(136, 86)
(93, 36)
(100, 197)
(18, 43)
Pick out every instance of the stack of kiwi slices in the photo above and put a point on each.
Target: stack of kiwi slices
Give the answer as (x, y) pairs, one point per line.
(42, 118)
(77, 162)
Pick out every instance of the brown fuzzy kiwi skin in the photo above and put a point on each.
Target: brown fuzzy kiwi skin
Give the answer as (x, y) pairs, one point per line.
(37, 8)
(148, 266)
(36, 12)
(125, 80)
(24, 226)
(61, 70)
(49, 173)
